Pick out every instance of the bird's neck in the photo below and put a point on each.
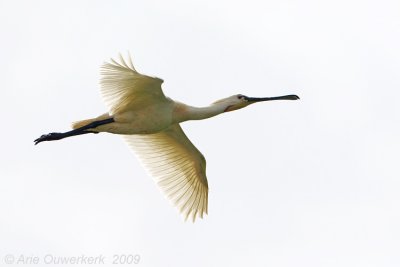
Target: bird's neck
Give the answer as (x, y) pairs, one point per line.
(184, 112)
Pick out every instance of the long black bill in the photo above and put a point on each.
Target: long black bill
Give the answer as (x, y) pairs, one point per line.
(284, 97)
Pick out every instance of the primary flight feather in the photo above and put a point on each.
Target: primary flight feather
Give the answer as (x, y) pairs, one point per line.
(149, 122)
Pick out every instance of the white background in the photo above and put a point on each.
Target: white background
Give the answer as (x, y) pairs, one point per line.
(313, 182)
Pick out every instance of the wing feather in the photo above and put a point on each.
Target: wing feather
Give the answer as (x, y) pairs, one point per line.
(122, 87)
(178, 167)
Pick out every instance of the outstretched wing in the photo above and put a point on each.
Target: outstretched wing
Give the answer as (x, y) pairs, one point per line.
(123, 87)
(177, 166)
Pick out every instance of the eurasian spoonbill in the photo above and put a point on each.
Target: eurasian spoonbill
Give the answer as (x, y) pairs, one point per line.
(149, 122)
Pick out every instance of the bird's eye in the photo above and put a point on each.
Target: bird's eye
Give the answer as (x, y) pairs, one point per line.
(241, 97)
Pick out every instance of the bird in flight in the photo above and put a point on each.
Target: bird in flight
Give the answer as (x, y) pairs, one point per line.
(150, 124)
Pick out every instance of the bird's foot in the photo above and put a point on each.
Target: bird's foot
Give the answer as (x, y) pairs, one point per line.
(49, 137)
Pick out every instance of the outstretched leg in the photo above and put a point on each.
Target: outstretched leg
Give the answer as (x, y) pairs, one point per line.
(78, 131)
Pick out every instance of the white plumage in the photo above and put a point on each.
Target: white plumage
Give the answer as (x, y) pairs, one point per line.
(149, 122)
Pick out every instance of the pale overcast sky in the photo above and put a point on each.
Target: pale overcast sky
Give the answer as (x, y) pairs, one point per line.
(308, 183)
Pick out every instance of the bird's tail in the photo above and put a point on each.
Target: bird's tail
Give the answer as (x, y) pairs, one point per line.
(79, 124)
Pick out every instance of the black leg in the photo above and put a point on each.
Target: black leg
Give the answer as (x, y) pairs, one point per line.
(79, 131)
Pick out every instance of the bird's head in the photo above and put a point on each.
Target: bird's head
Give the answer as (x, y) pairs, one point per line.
(240, 101)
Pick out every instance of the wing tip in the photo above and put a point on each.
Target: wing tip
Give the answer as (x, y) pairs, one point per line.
(120, 64)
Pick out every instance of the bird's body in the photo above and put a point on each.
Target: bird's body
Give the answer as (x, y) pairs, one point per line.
(149, 122)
